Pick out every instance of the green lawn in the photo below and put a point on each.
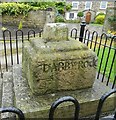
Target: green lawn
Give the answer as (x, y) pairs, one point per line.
(113, 73)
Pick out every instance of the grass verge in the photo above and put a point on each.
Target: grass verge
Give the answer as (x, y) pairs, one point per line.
(109, 62)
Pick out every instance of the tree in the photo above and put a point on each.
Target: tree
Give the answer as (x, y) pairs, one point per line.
(80, 15)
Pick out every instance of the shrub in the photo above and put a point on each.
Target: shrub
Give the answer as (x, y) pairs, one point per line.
(14, 8)
(80, 14)
(72, 21)
(68, 7)
(100, 14)
(59, 18)
(112, 19)
(60, 10)
(100, 19)
(60, 7)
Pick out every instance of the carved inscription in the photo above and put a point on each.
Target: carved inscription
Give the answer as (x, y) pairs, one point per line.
(66, 65)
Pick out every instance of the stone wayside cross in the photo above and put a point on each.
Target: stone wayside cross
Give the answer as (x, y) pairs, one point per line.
(58, 63)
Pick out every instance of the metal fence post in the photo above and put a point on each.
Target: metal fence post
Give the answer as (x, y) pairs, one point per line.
(83, 24)
(101, 103)
(13, 110)
(1, 70)
(62, 100)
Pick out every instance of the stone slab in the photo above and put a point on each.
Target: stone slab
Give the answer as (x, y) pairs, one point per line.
(1, 90)
(7, 94)
(55, 32)
(38, 106)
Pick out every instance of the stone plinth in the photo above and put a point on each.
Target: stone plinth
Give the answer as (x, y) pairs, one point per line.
(55, 32)
(37, 107)
(52, 66)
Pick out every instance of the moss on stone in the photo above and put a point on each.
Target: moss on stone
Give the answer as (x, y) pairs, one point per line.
(43, 71)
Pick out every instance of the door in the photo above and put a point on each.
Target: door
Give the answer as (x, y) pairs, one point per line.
(88, 17)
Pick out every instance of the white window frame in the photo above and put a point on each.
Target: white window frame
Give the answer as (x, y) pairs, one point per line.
(86, 4)
(102, 3)
(76, 3)
(73, 15)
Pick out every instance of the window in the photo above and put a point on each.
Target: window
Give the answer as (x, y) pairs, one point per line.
(88, 5)
(103, 5)
(75, 5)
(71, 15)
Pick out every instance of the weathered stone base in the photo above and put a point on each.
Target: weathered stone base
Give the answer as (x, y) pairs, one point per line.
(38, 106)
(58, 66)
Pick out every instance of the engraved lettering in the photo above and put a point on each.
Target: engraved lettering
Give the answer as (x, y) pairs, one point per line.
(81, 64)
(90, 63)
(55, 67)
(46, 67)
(66, 65)
(61, 66)
(86, 64)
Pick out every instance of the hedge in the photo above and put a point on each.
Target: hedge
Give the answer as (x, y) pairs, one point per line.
(100, 19)
(14, 8)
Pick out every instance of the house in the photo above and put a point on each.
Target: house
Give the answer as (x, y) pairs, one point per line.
(89, 8)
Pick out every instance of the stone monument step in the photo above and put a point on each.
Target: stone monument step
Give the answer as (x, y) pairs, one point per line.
(7, 96)
(1, 90)
(35, 106)
(107, 118)
(7, 92)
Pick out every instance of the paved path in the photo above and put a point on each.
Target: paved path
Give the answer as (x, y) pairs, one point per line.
(0, 90)
(8, 45)
(91, 27)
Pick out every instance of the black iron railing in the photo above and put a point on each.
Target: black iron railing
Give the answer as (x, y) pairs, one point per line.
(30, 32)
(100, 105)
(104, 46)
(77, 105)
(13, 110)
(99, 44)
(62, 100)
(17, 52)
(8, 41)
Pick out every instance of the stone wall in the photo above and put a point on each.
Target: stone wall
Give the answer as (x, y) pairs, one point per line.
(35, 19)
(107, 25)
